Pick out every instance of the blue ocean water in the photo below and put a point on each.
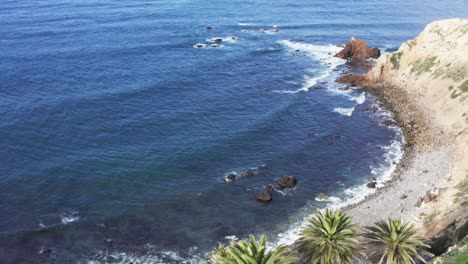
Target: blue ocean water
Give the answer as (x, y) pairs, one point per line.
(116, 131)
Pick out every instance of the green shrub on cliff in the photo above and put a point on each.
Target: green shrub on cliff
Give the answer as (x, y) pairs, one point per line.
(464, 87)
(457, 255)
(395, 58)
(252, 252)
(330, 237)
(421, 66)
(396, 242)
(462, 193)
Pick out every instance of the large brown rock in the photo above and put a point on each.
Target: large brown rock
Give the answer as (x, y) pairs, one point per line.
(353, 80)
(264, 196)
(357, 49)
(287, 182)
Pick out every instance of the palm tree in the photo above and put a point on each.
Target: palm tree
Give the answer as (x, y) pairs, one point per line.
(252, 252)
(330, 238)
(396, 242)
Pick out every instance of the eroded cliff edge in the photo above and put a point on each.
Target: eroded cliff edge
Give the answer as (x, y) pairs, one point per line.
(425, 84)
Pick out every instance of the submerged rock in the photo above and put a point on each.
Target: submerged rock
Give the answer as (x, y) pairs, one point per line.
(322, 197)
(269, 188)
(209, 28)
(358, 49)
(249, 174)
(264, 196)
(287, 182)
(230, 177)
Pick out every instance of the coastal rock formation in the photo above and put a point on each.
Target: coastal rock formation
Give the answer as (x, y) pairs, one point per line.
(230, 177)
(357, 49)
(264, 196)
(287, 182)
(269, 188)
(353, 80)
(249, 174)
(425, 84)
(371, 185)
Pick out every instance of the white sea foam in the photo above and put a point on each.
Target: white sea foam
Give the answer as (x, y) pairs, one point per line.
(245, 24)
(227, 39)
(231, 239)
(360, 99)
(354, 194)
(322, 53)
(328, 199)
(152, 254)
(70, 217)
(229, 173)
(344, 111)
(199, 45)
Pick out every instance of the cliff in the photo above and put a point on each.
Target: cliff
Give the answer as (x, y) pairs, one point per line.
(425, 83)
(434, 68)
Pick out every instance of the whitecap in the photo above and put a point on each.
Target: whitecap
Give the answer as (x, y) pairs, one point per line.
(321, 53)
(344, 111)
(360, 99)
(70, 217)
(199, 45)
(227, 39)
(231, 239)
(328, 199)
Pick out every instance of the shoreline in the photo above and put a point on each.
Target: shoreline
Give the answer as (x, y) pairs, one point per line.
(425, 87)
(424, 142)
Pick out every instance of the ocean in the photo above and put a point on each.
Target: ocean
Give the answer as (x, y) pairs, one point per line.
(119, 121)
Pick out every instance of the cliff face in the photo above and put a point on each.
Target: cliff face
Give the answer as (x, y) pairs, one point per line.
(434, 68)
(432, 73)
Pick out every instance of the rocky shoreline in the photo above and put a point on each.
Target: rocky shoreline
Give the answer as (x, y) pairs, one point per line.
(421, 136)
(419, 85)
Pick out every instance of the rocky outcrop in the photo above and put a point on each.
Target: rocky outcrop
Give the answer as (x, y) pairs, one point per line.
(426, 80)
(230, 177)
(287, 182)
(357, 49)
(353, 80)
(264, 196)
(248, 174)
(372, 184)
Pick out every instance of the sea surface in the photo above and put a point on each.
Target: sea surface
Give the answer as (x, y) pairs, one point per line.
(119, 121)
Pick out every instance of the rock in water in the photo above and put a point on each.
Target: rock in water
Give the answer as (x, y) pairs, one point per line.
(358, 49)
(218, 40)
(269, 188)
(249, 174)
(353, 80)
(371, 184)
(287, 182)
(209, 28)
(264, 196)
(230, 177)
(322, 197)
